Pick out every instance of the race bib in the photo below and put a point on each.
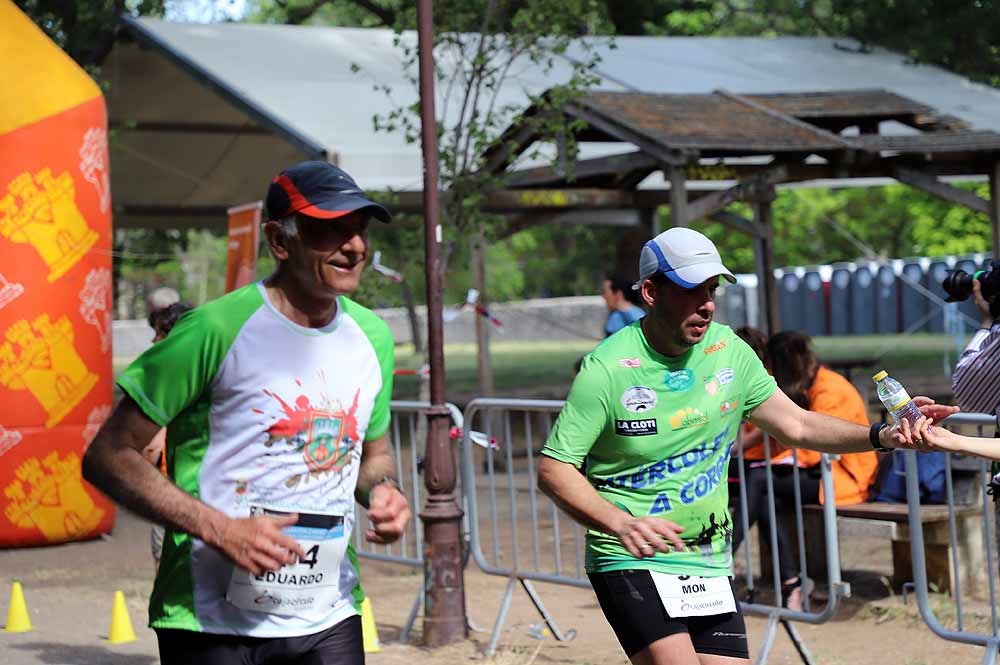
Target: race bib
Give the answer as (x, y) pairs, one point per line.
(311, 583)
(694, 596)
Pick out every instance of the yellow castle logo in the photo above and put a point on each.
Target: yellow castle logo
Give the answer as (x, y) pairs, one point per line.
(41, 210)
(49, 495)
(40, 357)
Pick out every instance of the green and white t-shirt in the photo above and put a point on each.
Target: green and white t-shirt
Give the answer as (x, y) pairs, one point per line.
(653, 435)
(264, 415)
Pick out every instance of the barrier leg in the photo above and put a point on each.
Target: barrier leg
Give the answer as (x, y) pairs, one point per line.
(491, 648)
(768, 642)
(549, 621)
(793, 635)
(404, 635)
(990, 657)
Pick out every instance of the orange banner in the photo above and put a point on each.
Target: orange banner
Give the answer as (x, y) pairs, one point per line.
(244, 236)
(55, 290)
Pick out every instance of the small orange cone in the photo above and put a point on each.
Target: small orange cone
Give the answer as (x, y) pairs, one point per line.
(18, 620)
(369, 631)
(121, 626)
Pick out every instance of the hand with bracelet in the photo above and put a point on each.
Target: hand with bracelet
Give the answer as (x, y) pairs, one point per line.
(388, 511)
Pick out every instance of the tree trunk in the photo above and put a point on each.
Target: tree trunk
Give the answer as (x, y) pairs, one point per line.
(411, 314)
(482, 325)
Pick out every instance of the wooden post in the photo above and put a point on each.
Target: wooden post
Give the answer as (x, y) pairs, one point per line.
(995, 208)
(678, 195)
(767, 293)
(650, 220)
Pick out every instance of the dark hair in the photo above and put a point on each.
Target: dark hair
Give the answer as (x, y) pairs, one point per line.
(794, 364)
(756, 340)
(623, 285)
(163, 320)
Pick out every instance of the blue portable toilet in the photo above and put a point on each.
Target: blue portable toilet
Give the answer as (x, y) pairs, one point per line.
(913, 302)
(887, 296)
(734, 305)
(790, 297)
(863, 293)
(968, 307)
(814, 312)
(840, 299)
(936, 272)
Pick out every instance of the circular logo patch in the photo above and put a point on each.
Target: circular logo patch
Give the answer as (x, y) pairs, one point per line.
(638, 399)
(679, 380)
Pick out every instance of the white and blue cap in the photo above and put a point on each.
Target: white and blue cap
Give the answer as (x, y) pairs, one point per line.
(684, 256)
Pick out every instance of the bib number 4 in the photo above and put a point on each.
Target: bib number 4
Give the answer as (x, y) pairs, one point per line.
(309, 584)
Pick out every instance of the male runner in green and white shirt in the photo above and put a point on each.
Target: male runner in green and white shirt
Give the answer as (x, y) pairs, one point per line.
(277, 400)
(651, 418)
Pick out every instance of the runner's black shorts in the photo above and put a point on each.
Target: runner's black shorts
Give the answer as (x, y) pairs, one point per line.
(633, 608)
(340, 644)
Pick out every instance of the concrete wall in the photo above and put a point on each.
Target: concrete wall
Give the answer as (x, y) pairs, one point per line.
(545, 319)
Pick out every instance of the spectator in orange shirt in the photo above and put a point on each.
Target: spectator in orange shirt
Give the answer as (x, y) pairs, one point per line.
(820, 389)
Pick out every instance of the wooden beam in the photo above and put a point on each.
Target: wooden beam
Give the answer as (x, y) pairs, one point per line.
(995, 208)
(584, 168)
(738, 223)
(767, 292)
(748, 189)
(511, 143)
(189, 128)
(665, 154)
(942, 190)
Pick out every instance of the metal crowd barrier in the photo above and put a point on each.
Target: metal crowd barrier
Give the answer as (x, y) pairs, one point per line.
(552, 549)
(958, 628)
(502, 481)
(408, 448)
(776, 614)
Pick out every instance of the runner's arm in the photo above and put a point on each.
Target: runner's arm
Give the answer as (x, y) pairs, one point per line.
(114, 464)
(387, 506)
(781, 417)
(572, 492)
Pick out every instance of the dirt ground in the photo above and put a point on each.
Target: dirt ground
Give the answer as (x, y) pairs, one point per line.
(69, 591)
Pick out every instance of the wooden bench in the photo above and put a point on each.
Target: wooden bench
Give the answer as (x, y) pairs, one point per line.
(892, 519)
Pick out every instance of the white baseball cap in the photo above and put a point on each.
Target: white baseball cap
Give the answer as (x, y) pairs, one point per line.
(684, 256)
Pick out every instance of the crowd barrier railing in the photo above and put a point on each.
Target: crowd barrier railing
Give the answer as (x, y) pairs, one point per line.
(502, 498)
(505, 496)
(776, 614)
(406, 435)
(958, 627)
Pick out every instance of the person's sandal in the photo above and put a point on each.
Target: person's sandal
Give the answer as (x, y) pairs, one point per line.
(791, 595)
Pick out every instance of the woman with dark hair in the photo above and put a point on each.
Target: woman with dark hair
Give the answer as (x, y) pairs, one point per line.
(816, 388)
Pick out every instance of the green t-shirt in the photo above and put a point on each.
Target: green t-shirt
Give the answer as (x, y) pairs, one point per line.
(653, 435)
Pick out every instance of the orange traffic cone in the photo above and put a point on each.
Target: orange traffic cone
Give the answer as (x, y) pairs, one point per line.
(18, 620)
(121, 626)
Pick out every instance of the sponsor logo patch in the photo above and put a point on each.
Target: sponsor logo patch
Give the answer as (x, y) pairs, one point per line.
(718, 346)
(630, 363)
(728, 407)
(679, 380)
(635, 427)
(638, 399)
(689, 417)
(725, 376)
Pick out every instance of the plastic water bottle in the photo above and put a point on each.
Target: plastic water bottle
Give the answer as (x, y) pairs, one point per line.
(895, 399)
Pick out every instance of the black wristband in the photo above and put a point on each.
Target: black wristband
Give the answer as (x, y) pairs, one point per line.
(873, 433)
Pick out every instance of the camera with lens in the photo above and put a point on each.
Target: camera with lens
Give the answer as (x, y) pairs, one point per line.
(958, 284)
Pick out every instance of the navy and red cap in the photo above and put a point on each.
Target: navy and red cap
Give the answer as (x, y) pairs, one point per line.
(318, 189)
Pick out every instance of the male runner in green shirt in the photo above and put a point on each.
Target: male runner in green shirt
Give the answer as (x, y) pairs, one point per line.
(651, 418)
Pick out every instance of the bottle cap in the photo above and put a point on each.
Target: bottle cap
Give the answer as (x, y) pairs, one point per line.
(881, 375)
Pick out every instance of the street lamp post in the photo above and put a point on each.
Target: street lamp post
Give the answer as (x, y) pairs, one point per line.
(444, 589)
